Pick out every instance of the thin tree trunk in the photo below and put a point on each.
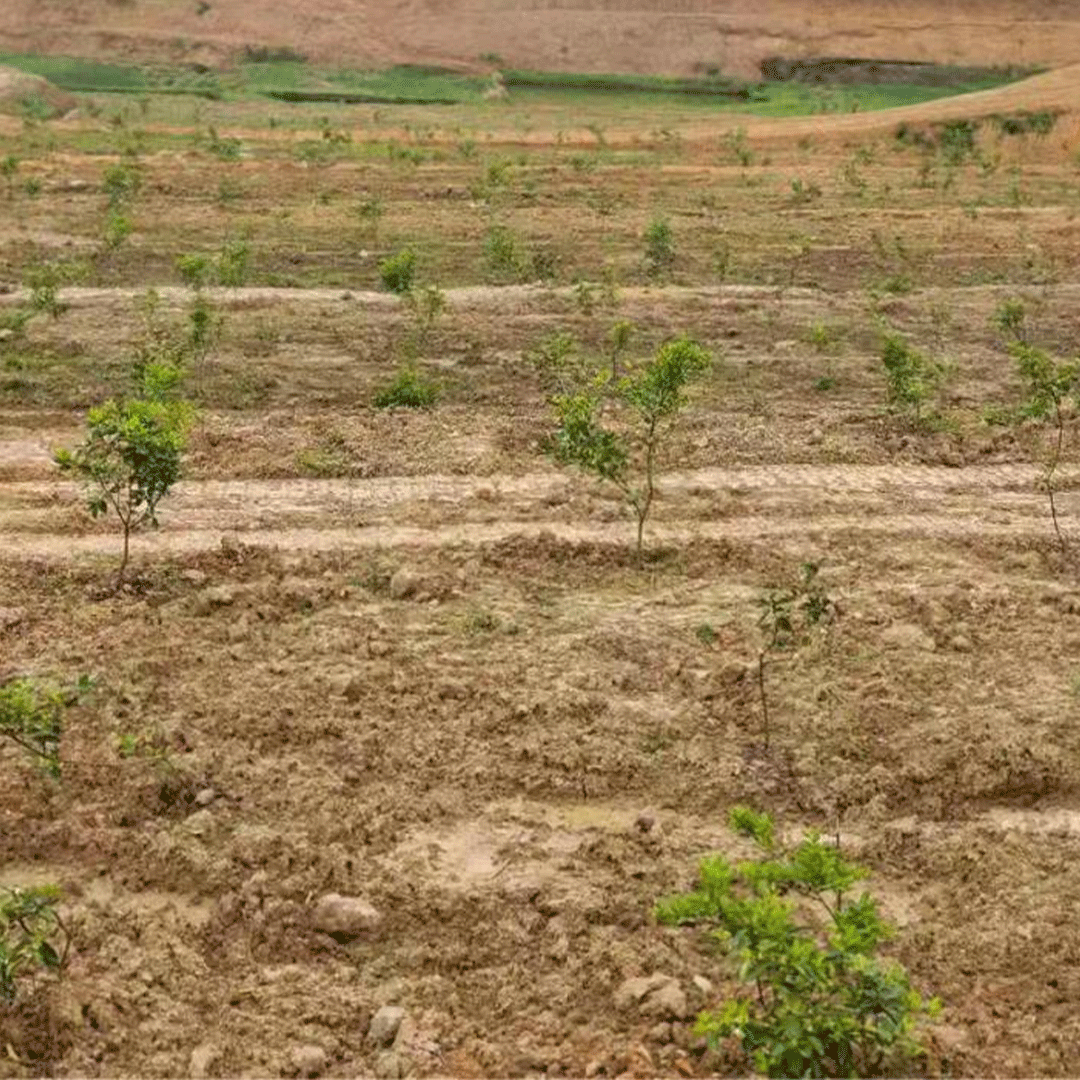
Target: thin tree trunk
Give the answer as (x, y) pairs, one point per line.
(764, 696)
(124, 559)
(1051, 471)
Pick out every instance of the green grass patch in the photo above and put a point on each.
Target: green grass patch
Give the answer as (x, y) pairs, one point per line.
(290, 80)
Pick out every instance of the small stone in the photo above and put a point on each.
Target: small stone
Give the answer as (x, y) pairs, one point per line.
(6, 334)
(11, 616)
(200, 823)
(645, 821)
(961, 644)
(403, 584)
(345, 917)
(218, 596)
(908, 636)
(385, 1023)
(659, 996)
(594, 1068)
(308, 1060)
(703, 984)
(205, 797)
(354, 689)
(668, 1001)
(389, 1066)
(203, 1060)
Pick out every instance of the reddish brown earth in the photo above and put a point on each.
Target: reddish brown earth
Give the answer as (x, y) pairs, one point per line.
(398, 655)
(600, 35)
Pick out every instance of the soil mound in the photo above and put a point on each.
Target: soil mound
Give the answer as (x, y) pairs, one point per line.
(21, 93)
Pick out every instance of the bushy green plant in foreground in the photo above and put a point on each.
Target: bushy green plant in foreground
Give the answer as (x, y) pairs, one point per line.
(32, 935)
(814, 1000)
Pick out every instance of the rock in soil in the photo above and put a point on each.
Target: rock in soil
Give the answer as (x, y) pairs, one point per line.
(385, 1024)
(345, 917)
(309, 1061)
(657, 995)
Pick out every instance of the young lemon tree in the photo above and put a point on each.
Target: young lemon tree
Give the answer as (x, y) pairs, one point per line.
(132, 453)
(647, 401)
(815, 1000)
(32, 935)
(1051, 384)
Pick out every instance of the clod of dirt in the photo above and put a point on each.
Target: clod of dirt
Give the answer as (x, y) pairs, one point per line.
(211, 599)
(205, 797)
(703, 984)
(11, 616)
(661, 1032)
(647, 822)
(204, 1059)
(389, 1066)
(403, 584)
(385, 1024)
(908, 636)
(308, 1061)
(654, 995)
(345, 917)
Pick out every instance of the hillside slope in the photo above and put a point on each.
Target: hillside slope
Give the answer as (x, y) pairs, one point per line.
(586, 35)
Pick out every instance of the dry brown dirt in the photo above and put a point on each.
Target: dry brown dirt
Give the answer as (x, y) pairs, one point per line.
(582, 35)
(398, 655)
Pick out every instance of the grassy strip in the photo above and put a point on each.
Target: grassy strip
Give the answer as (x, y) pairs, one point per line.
(652, 84)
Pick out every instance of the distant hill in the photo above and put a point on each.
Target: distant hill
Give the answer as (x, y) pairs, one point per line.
(649, 36)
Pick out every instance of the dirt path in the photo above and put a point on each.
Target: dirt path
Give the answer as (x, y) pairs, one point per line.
(43, 519)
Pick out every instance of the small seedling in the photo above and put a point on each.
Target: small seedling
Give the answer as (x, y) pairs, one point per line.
(618, 341)
(817, 999)
(33, 935)
(659, 248)
(32, 717)
(788, 617)
(410, 389)
(912, 379)
(398, 271)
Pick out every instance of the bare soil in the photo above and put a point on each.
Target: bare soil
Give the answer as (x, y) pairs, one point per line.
(586, 35)
(398, 655)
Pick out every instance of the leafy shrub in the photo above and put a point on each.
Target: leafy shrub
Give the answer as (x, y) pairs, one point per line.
(121, 183)
(659, 248)
(398, 271)
(410, 389)
(233, 262)
(816, 1000)
(194, 270)
(912, 379)
(32, 935)
(502, 253)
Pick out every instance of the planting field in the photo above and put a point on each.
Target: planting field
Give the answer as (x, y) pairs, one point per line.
(402, 655)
